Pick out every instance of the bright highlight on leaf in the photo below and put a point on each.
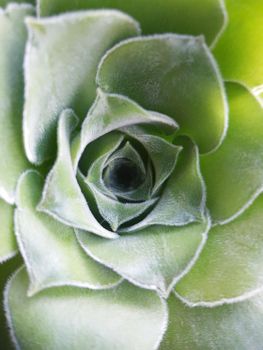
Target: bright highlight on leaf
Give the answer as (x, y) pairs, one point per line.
(111, 319)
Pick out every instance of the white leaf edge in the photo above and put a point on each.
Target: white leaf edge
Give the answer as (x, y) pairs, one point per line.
(11, 326)
(153, 287)
(211, 58)
(69, 16)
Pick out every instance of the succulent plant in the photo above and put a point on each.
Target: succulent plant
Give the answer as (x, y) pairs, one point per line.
(131, 174)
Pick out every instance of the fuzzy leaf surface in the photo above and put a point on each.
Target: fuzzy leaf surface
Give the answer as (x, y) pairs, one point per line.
(155, 16)
(183, 198)
(13, 38)
(76, 318)
(234, 173)
(153, 258)
(52, 255)
(171, 74)
(62, 196)
(236, 327)
(60, 66)
(230, 265)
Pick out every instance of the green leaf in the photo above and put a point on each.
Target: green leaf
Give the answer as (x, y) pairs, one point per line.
(60, 67)
(69, 318)
(239, 51)
(156, 16)
(156, 148)
(236, 327)
(95, 178)
(12, 44)
(6, 270)
(62, 197)
(50, 250)
(117, 213)
(154, 258)
(95, 171)
(106, 144)
(8, 246)
(230, 266)
(4, 3)
(183, 198)
(234, 173)
(172, 74)
(110, 112)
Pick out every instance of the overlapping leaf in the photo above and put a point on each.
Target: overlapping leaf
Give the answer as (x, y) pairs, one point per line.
(154, 258)
(12, 44)
(52, 255)
(236, 327)
(110, 112)
(183, 198)
(62, 196)
(230, 265)
(156, 16)
(234, 173)
(5, 271)
(125, 317)
(60, 67)
(172, 74)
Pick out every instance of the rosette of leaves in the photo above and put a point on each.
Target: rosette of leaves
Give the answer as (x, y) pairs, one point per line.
(131, 174)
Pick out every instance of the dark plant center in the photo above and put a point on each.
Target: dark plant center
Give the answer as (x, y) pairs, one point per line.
(123, 175)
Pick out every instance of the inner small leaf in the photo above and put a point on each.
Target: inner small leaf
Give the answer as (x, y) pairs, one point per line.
(124, 170)
(123, 175)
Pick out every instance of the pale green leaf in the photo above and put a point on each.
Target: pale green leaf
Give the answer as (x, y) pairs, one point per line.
(8, 246)
(110, 112)
(141, 193)
(62, 196)
(50, 250)
(98, 148)
(236, 327)
(6, 271)
(153, 258)
(95, 171)
(13, 37)
(183, 198)
(156, 148)
(117, 213)
(234, 173)
(172, 74)
(156, 16)
(60, 66)
(69, 318)
(231, 263)
(239, 51)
